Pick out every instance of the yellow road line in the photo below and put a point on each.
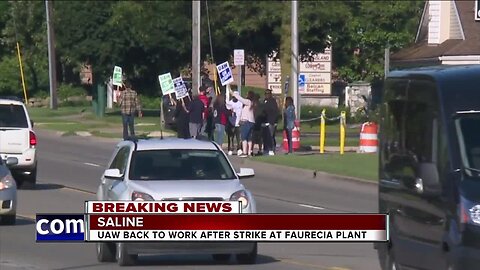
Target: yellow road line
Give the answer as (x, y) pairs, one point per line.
(312, 265)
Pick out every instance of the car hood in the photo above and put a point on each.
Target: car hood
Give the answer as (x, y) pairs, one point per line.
(186, 189)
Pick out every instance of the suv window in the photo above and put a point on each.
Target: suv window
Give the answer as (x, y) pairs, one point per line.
(13, 116)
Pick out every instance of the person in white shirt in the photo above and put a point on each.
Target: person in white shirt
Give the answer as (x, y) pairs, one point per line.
(233, 127)
(247, 120)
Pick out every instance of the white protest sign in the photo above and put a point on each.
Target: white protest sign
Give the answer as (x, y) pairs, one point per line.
(166, 83)
(180, 88)
(225, 73)
(239, 57)
(117, 76)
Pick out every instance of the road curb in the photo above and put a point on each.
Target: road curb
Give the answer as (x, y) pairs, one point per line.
(295, 170)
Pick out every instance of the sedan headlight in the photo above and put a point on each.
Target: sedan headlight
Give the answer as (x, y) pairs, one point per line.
(140, 196)
(7, 182)
(240, 196)
(469, 212)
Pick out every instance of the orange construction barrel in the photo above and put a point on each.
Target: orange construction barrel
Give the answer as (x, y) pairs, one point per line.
(368, 138)
(295, 137)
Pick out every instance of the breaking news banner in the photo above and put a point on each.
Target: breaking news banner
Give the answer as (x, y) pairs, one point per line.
(204, 221)
(239, 227)
(159, 207)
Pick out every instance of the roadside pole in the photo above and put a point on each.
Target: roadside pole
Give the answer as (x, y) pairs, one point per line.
(196, 81)
(239, 62)
(294, 73)
(52, 71)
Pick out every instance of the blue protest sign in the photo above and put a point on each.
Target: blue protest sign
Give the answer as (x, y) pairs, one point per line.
(225, 73)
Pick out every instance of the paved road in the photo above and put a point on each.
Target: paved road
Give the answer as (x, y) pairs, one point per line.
(69, 169)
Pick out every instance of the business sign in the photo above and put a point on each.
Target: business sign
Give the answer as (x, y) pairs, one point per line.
(318, 77)
(117, 76)
(313, 67)
(477, 10)
(181, 90)
(319, 88)
(238, 57)
(166, 83)
(225, 73)
(275, 87)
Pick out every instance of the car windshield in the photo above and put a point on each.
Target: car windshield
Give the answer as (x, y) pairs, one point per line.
(468, 130)
(12, 116)
(174, 164)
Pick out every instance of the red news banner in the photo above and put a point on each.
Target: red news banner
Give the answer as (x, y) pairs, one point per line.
(223, 221)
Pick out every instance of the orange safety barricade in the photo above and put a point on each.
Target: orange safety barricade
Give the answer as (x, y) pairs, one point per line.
(368, 138)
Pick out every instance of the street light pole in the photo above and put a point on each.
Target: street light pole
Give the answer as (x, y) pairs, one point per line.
(294, 73)
(196, 81)
(52, 71)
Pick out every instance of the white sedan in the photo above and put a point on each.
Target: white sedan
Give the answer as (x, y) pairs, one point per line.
(172, 170)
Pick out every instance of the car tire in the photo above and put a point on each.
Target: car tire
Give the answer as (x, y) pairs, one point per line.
(8, 219)
(106, 252)
(248, 258)
(122, 256)
(221, 257)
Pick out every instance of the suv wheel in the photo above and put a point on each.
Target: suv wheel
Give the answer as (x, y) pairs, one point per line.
(248, 258)
(8, 219)
(122, 256)
(105, 252)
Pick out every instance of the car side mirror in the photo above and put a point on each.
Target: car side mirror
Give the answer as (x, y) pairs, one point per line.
(11, 161)
(246, 173)
(113, 174)
(428, 181)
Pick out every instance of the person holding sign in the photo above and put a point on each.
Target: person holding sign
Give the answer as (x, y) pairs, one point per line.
(247, 121)
(129, 104)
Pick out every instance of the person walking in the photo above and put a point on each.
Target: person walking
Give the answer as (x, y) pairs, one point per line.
(247, 120)
(233, 127)
(129, 106)
(195, 112)
(182, 118)
(270, 109)
(220, 118)
(289, 121)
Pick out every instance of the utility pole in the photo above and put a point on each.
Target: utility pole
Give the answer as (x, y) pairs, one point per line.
(294, 74)
(52, 71)
(196, 81)
(387, 61)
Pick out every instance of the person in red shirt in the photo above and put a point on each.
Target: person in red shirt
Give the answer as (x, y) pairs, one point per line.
(206, 103)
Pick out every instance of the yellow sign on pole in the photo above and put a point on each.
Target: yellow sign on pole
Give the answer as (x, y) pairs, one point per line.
(21, 74)
(343, 123)
(322, 132)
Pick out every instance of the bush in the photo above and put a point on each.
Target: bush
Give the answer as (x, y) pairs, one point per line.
(150, 102)
(42, 94)
(68, 90)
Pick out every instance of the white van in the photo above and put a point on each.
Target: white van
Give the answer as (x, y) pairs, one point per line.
(17, 139)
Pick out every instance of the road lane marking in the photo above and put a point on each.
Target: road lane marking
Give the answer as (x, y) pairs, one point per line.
(91, 164)
(315, 266)
(311, 206)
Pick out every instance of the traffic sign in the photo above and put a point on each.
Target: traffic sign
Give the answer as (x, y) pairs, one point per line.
(117, 76)
(301, 80)
(225, 73)
(238, 57)
(166, 83)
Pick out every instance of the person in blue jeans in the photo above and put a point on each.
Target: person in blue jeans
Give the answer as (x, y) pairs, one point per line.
(289, 121)
(247, 121)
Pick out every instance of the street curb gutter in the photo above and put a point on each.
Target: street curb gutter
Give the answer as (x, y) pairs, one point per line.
(299, 171)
